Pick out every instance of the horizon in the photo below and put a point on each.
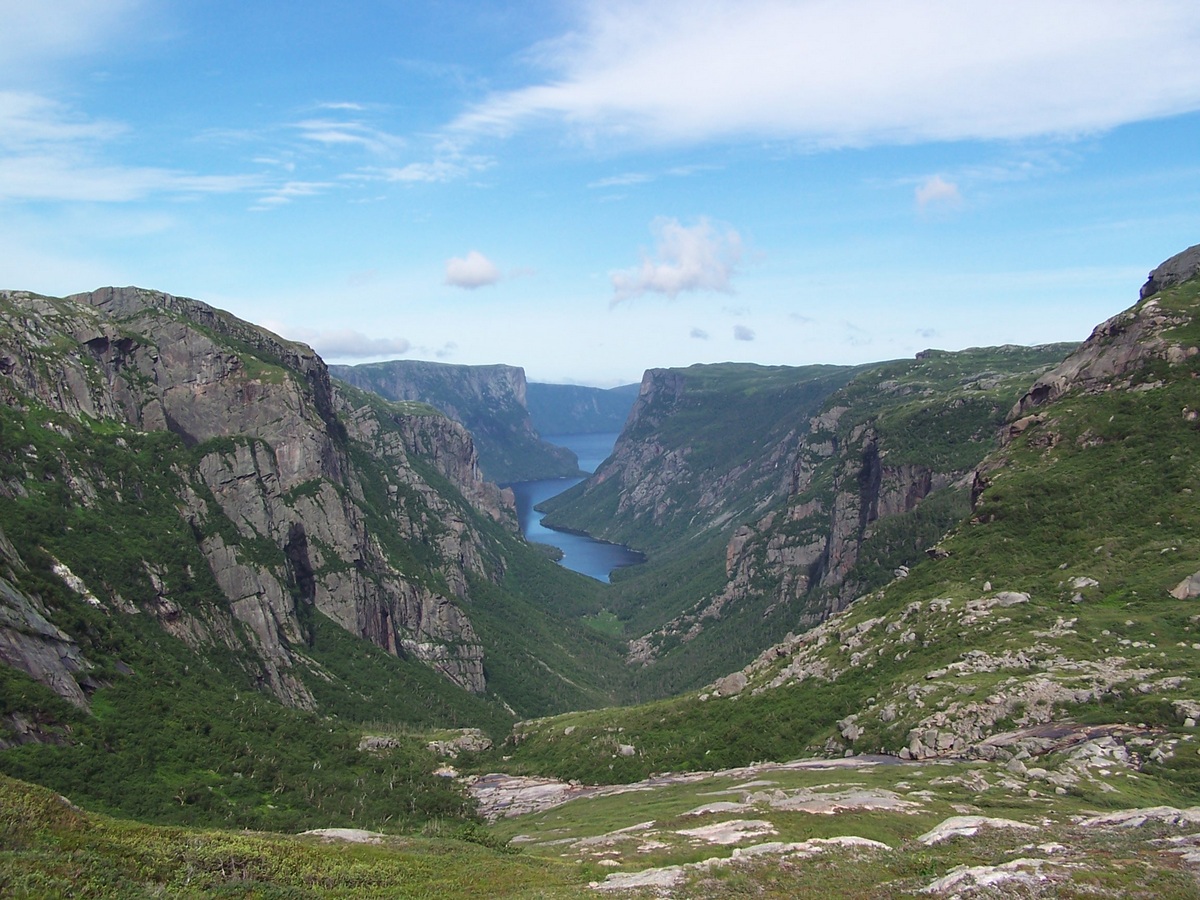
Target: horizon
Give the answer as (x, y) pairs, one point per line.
(591, 189)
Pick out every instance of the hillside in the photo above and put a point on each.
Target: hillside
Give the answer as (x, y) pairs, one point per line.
(206, 545)
(490, 401)
(768, 497)
(1058, 612)
(1014, 714)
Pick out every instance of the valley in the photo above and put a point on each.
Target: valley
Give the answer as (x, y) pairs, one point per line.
(918, 627)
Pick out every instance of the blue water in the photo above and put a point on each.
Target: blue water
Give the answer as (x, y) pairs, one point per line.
(596, 559)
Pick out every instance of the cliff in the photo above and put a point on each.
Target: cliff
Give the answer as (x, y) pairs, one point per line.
(294, 496)
(774, 496)
(490, 401)
(577, 409)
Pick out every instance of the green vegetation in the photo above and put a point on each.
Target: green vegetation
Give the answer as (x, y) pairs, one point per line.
(48, 848)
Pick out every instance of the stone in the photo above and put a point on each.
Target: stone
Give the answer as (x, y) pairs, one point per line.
(1188, 589)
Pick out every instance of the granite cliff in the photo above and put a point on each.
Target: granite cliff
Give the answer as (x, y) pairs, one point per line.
(490, 401)
(774, 496)
(295, 496)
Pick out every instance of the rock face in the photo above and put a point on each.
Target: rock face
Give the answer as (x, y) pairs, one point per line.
(1176, 270)
(298, 497)
(29, 642)
(803, 471)
(490, 401)
(1116, 350)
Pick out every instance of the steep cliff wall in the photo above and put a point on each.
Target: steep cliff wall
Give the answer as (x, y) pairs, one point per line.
(817, 481)
(490, 401)
(297, 497)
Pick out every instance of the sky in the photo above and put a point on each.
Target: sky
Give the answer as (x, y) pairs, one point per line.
(591, 188)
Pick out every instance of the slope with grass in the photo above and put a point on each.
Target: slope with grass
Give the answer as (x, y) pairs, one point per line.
(766, 498)
(1063, 603)
(214, 566)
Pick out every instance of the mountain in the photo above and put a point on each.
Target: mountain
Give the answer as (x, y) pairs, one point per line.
(768, 497)
(577, 409)
(1058, 611)
(490, 401)
(1005, 708)
(196, 521)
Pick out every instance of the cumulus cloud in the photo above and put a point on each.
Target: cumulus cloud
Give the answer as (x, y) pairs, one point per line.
(937, 191)
(857, 72)
(347, 343)
(472, 271)
(700, 257)
(699, 334)
(742, 333)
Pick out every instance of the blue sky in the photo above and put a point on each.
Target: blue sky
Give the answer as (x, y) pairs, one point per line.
(588, 189)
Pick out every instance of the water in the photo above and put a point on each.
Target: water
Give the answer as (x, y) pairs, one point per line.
(588, 556)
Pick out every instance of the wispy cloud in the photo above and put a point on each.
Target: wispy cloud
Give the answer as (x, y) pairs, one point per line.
(472, 271)
(699, 334)
(344, 132)
(289, 191)
(436, 170)
(700, 257)
(623, 180)
(48, 151)
(742, 333)
(940, 70)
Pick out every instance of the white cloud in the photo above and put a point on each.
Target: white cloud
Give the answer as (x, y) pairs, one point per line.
(438, 170)
(472, 271)
(50, 152)
(696, 258)
(937, 191)
(742, 333)
(58, 178)
(37, 35)
(857, 72)
(335, 132)
(347, 343)
(289, 191)
(628, 178)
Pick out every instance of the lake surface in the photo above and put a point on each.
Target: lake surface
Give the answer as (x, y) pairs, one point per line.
(588, 556)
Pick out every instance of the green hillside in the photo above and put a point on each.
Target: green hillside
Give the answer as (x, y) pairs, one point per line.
(766, 497)
(1060, 604)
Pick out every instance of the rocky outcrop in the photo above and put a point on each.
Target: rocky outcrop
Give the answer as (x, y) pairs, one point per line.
(1176, 270)
(1115, 352)
(294, 495)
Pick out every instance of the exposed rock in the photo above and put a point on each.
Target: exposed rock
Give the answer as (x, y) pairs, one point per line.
(1187, 589)
(469, 740)
(349, 835)
(1021, 871)
(1135, 818)
(967, 826)
(730, 685)
(1118, 347)
(31, 643)
(1176, 270)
